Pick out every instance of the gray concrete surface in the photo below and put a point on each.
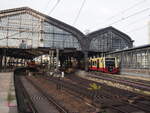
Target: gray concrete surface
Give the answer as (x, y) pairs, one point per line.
(7, 93)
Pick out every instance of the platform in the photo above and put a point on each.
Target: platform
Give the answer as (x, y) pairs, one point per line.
(8, 102)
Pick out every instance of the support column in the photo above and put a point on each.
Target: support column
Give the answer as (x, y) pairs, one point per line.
(17, 62)
(57, 58)
(9, 62)
(148, 58)
(62, 60)
(23, 62)
(70, 63)
(52, 59)
(49, 61)
(42, 60)
(86, 60)
(5, 60)
(1, 61)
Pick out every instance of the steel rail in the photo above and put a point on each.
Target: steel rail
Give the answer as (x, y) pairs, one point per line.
(48, 97)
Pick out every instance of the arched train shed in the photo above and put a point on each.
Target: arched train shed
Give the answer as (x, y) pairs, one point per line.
(25, 25)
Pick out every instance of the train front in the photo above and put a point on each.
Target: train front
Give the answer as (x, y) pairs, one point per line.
(111, 65)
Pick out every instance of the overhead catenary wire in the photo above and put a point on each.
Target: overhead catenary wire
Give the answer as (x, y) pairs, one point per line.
(47, 4)
(121, 12)
(82, 5)
(137, 29)
(54, 7)
(134, 14)
(127, 9)
(134, 22)
(129, 16)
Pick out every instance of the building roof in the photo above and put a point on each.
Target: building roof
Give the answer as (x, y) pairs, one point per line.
(45, 17)
(130, 49)
(100, 31)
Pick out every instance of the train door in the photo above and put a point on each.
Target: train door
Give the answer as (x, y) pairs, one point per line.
(91, 63)
(97, 63)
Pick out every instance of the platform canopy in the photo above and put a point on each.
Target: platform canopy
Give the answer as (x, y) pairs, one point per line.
(34, 52)
(23, 53)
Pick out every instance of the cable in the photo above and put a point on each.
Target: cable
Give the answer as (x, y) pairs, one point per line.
(82, 5)
(134, 14)
(134, 22)
(137, 29)
(124, 18)
(47, 3)
(58, 1)
(127, 9)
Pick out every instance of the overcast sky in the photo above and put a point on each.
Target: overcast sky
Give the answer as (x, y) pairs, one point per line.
(128, 16)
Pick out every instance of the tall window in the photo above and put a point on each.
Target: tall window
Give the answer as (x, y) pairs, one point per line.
(17, 28)
(108, 42)
(57, 38)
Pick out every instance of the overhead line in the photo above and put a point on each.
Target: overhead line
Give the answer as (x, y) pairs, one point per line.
(131, 23)
(58, 1)
(137, 29)
(127, 9)
(82, 5)
(134, 14)
(47, 3)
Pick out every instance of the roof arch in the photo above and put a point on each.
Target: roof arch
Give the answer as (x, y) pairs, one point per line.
(108, 39)
(101, 31)
(45, 18)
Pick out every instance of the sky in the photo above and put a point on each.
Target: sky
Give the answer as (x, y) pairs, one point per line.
(129, 16)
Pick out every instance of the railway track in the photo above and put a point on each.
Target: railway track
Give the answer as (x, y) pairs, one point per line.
(37, 100)
(49, 98)
(24, 106)
(136, 99)
(139, 84)
(102, 98)
(73, 103)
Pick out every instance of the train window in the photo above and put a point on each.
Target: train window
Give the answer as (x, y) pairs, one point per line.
(98, 63)
(109, 58)
(110, 63)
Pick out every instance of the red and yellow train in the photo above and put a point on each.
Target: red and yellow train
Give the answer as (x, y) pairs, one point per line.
(104, 64)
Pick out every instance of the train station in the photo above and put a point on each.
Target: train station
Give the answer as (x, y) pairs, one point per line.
(48, 66)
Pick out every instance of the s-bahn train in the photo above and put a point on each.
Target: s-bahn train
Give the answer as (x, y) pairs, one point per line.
(104, 64)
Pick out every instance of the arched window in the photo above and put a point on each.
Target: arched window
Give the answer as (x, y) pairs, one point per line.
(35, 32)
(57, 38)
(108, 41)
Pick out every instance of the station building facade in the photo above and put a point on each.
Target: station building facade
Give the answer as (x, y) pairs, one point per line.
(39, 30)
(108, 39)
(36, 29)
